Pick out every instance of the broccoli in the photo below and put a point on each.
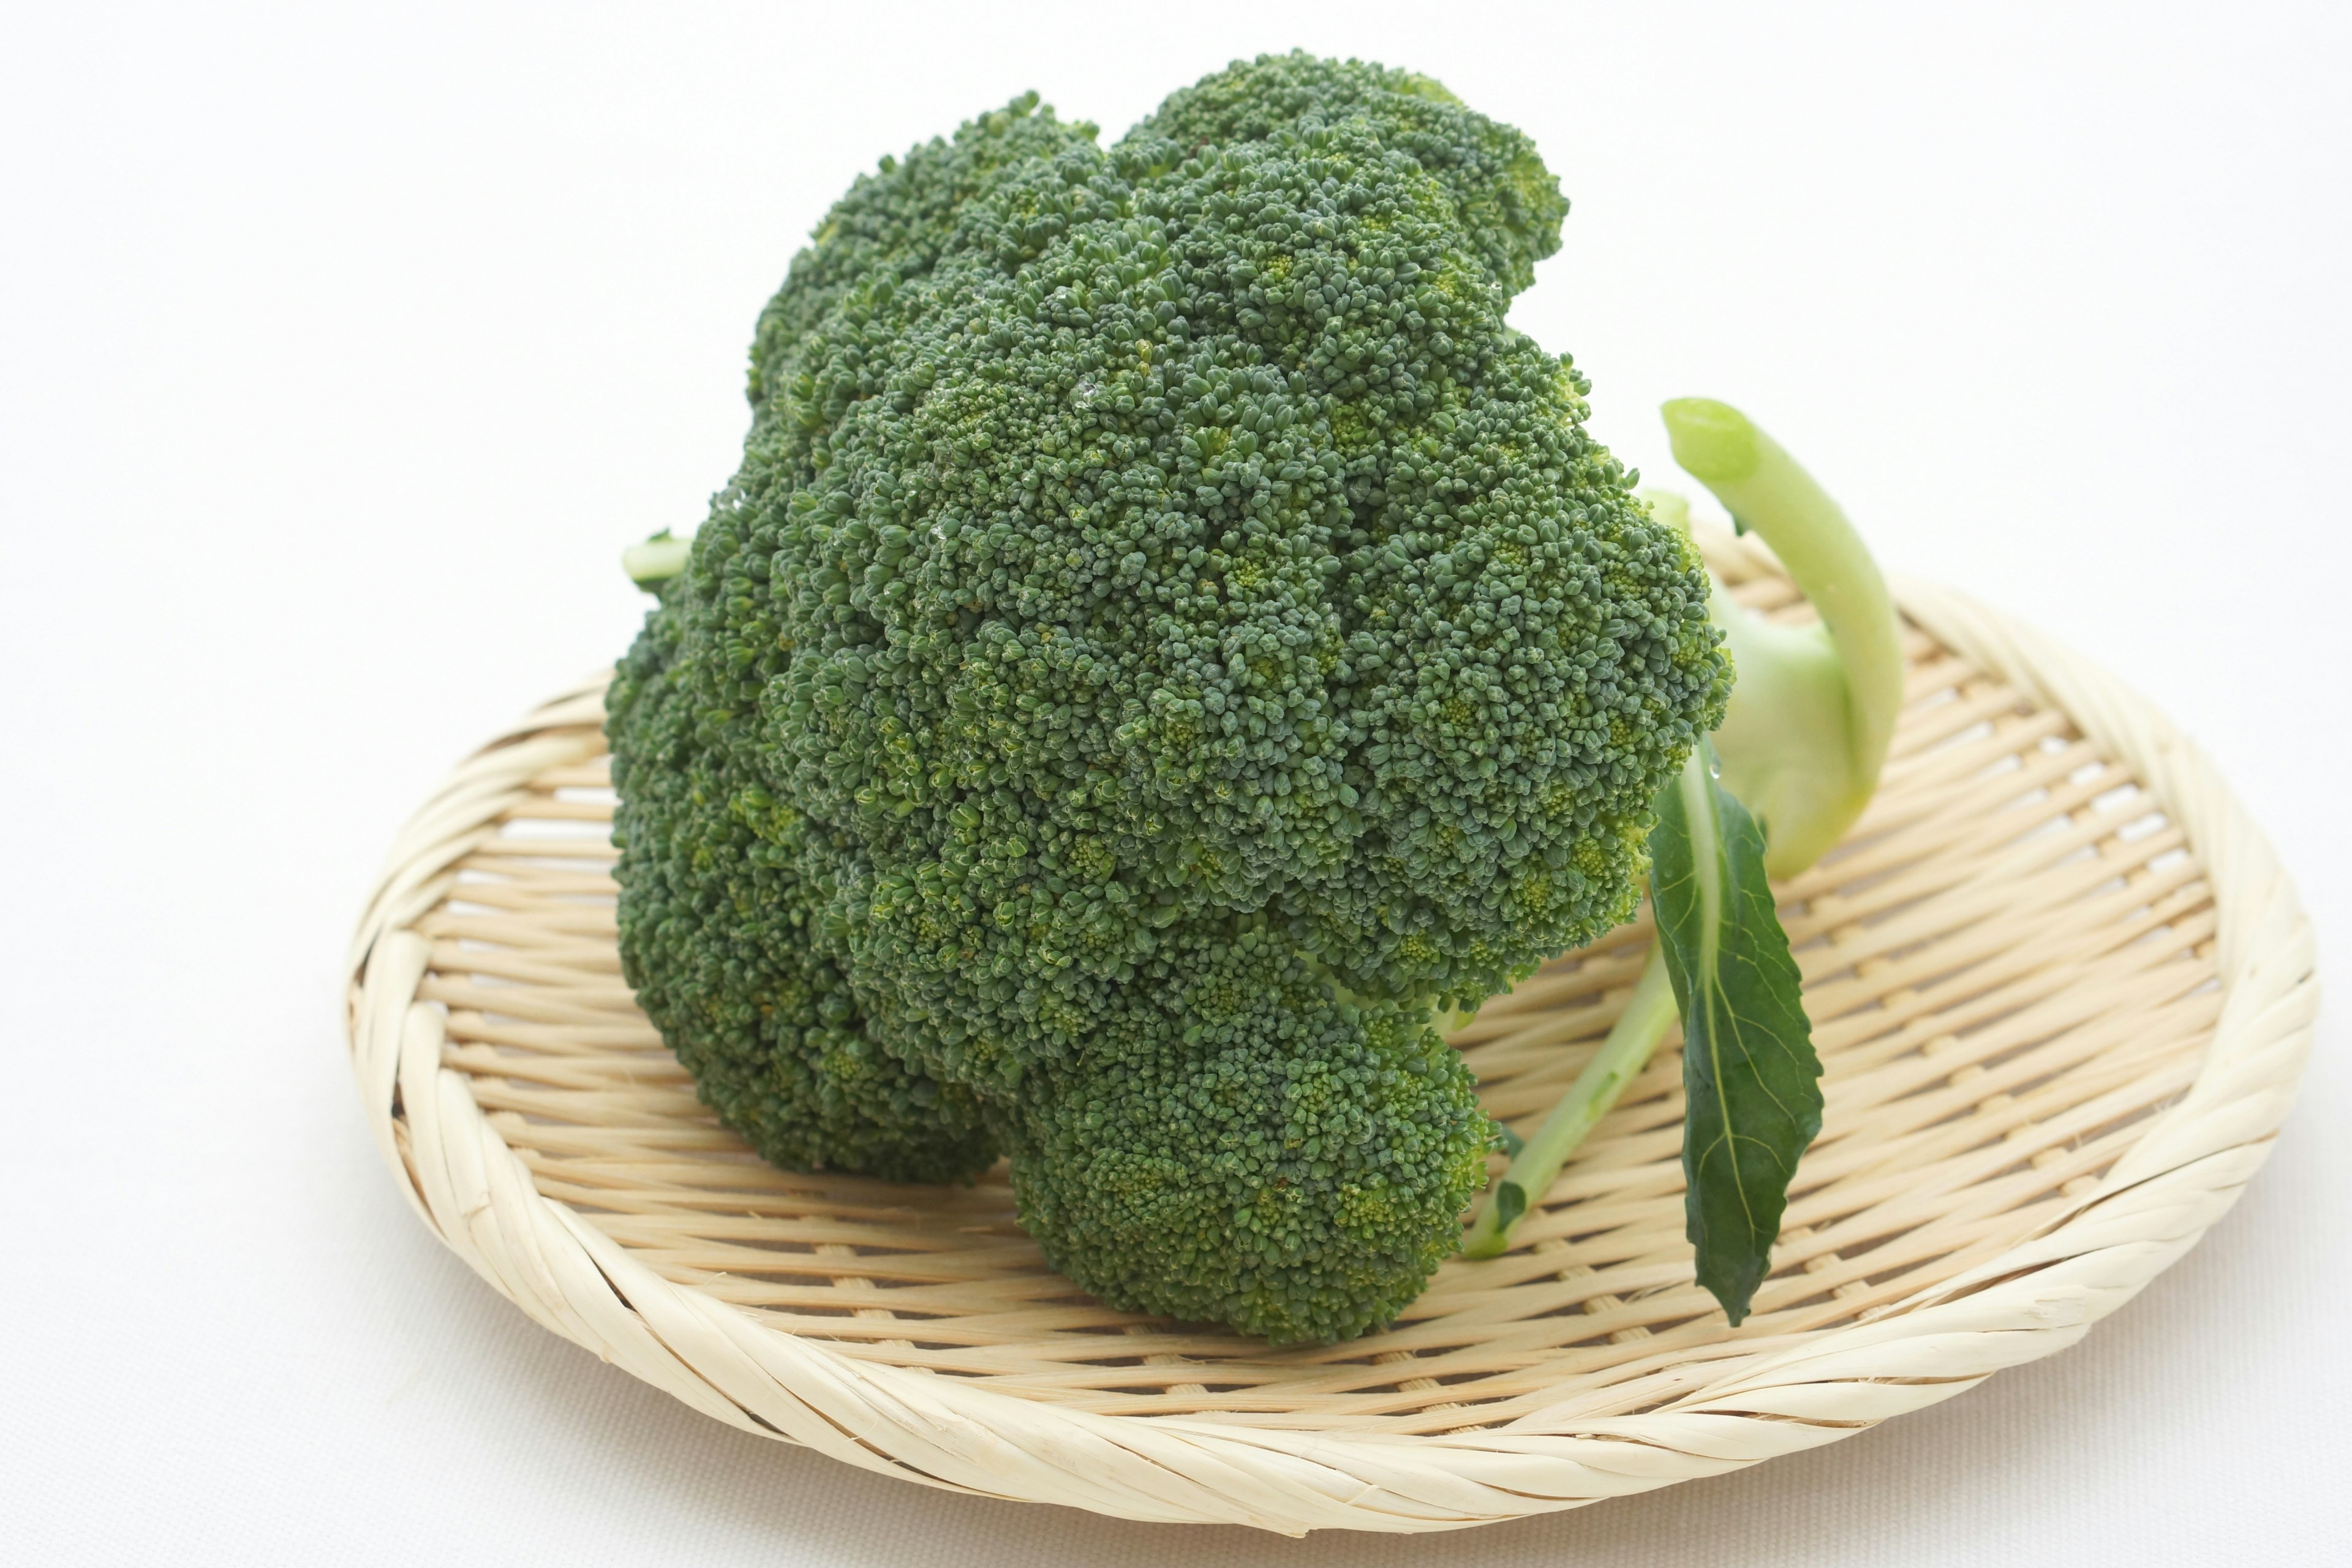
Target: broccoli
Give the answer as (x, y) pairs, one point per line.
(1167, 641)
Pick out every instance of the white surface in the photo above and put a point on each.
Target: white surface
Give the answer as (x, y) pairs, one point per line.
(340, 356)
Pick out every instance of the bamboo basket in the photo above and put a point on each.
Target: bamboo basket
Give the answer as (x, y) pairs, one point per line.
(2062, 989)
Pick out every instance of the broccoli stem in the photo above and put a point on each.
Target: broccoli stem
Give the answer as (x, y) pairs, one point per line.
(1630, 1042)
(1765, 491)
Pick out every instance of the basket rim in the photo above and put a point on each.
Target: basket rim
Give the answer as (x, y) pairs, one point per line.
(2177, 1178)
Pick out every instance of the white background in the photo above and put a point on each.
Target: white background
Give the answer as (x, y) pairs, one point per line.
(342, 348)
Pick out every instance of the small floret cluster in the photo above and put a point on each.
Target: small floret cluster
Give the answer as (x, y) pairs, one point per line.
(1166, 637)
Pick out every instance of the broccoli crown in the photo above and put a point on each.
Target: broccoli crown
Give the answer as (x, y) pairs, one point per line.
(1139, 547)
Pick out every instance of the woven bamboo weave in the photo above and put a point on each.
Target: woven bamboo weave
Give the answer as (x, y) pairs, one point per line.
(2062, 989)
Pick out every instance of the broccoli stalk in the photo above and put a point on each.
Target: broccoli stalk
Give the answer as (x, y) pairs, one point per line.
(1631, 1041)
(1790, 770)
(1809, 722)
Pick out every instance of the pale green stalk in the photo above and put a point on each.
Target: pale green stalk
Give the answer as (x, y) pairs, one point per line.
(1631, 1041)
(1804, 787)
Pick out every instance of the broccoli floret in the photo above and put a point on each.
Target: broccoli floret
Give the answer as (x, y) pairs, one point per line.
(894, 224)
(1244, 1147)
(1506, 204)
(713, 938)
(1139, 547)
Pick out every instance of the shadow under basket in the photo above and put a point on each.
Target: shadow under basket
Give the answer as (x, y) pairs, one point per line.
(2061, 988)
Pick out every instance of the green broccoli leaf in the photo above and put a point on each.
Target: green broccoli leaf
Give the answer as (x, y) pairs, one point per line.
(1749, 1072)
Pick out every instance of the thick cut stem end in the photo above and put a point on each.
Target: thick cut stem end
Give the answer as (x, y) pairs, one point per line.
(655, 561)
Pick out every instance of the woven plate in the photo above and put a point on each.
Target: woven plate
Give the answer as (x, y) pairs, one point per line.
(2062, 989)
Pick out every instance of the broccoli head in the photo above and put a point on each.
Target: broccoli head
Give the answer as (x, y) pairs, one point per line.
(1177, 635)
